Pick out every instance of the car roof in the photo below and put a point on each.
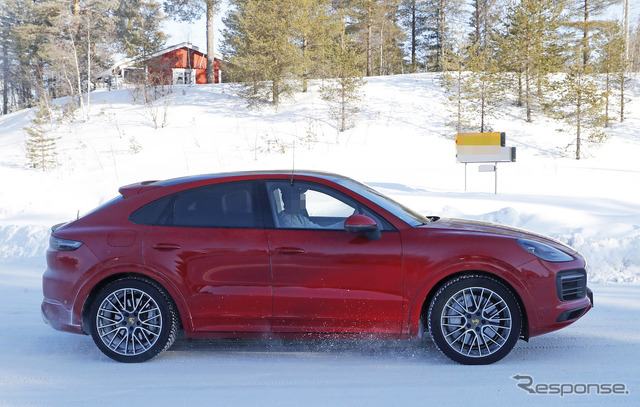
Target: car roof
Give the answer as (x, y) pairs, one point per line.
(144, 186)
(252, 174)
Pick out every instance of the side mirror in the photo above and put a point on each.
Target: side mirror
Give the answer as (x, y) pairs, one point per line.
(362, 224)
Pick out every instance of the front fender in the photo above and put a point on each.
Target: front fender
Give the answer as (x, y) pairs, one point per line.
(431, 281)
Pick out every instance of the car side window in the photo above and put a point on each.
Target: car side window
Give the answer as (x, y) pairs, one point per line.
(306, 205)
(228, 205)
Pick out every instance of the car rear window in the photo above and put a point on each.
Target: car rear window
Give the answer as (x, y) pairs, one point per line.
(227, 205)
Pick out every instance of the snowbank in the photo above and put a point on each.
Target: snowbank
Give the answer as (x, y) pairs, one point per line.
(400, 145)
(23, 242)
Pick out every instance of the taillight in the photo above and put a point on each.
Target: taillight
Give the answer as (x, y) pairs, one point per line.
(57, 244)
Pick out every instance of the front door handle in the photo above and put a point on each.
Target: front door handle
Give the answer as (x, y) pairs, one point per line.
(289, 250)
(166, 246)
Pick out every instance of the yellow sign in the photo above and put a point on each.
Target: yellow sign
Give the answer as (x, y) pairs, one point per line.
(480, 139)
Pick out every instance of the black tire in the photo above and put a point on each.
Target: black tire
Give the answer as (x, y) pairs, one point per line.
(474, 320)
(132, 320)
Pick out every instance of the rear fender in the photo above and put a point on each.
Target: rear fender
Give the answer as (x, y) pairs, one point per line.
(91, 288)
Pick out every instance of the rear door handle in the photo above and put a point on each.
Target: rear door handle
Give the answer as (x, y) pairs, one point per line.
(166, 246)
(289, 250)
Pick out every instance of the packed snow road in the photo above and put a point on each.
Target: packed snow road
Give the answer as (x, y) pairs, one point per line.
(593, 362)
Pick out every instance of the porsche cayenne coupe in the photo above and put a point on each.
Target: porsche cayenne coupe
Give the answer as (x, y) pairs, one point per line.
(276, 254)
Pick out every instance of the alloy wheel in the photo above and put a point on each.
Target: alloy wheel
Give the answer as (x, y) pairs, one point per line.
(476, 322)
(129, 322)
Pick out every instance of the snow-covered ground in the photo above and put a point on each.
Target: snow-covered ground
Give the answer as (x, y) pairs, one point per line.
(43, 367)
(401, 146)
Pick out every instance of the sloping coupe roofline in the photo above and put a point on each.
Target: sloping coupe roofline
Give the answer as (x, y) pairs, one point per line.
(190, 178)
(140, 187)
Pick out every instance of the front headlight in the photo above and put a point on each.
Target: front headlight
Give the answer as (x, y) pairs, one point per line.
(544, 251)
(57, 244)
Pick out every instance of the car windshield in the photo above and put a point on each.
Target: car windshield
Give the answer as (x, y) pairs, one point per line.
(407, 215)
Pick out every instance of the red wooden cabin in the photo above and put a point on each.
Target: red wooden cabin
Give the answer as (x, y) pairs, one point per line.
(183, 63)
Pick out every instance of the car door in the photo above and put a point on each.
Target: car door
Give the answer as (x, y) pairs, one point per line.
(211, 240)
(326, 279)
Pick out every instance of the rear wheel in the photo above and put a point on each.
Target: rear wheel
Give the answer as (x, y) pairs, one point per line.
(474, 320)
(133, 320)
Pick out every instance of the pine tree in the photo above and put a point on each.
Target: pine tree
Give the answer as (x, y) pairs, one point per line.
(483, 87)
(484, 91)
(530, 47)
(313, 30)
(612, 63)
(483, 21)
(40, 146)
(343, 92)
(375, 26)
(272, 44)
(634, 49)
(81, 43)
(454, 81)
(30, 30)
(362, 12)
(443, 19)
(621, 80)
(473, 88)
(54, 47)
(413, 17)
(258, 41)
(6, 21)
(584, 22)
(391, 38)
(580, 106)
(455, 77)
(139, 27)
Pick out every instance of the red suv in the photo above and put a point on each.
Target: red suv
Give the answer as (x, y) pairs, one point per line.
(309, 254)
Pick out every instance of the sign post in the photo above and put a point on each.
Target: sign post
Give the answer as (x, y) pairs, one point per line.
(483, 148)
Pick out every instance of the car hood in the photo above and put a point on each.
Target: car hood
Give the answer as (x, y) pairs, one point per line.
(495, 229)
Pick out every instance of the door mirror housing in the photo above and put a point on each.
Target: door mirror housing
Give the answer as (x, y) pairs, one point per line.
(363, 224)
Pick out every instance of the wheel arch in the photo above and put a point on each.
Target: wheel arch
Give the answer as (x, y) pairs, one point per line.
(426, 302)
(97, 287)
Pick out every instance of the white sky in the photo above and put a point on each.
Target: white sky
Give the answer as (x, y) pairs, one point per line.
(195, 32)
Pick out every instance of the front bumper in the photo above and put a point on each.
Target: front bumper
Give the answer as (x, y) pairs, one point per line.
(559, 295)
(575, 313)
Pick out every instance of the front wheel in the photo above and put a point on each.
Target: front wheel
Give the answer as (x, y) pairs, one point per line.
(133, 320)
(474, 320)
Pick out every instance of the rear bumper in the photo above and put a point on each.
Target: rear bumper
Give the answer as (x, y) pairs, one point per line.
(56, 315)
